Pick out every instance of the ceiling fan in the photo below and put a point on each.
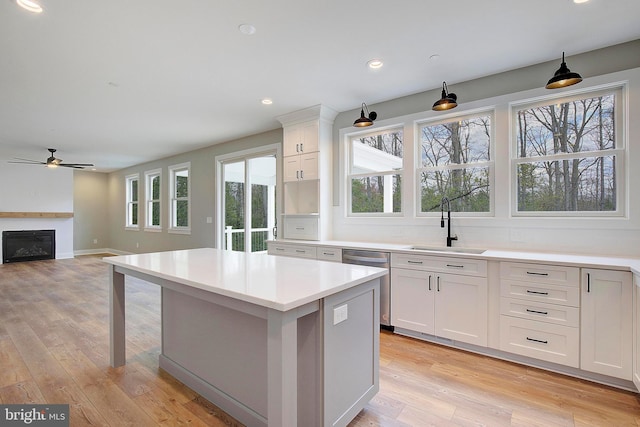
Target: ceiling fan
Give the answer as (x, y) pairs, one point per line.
(52, 162)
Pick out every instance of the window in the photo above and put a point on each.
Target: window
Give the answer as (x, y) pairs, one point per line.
(152, 192)
(375, 172)
(179, 198)
(455, 162)
(131, 216)
(568, 155)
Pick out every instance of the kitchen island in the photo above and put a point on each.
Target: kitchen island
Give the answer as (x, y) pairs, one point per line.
(273, 341)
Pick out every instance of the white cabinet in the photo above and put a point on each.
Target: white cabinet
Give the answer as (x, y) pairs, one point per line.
(301, 138)
(606, 339)
(301, 167)
(540, 311)
(636, 331)
(307, 170)
(441, 296)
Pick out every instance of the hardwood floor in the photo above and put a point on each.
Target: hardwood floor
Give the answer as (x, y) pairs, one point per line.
(54, 348)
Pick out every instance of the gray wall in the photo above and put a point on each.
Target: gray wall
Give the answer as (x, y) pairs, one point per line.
(91, 206)
(202, 198)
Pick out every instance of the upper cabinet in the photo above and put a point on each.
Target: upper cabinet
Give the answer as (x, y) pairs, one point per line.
(307, 173)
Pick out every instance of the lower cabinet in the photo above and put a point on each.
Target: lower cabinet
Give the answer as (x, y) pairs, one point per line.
(636, 331)
(606, 325)
(451, 306)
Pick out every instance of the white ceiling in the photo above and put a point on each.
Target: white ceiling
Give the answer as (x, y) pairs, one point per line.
(122, 82)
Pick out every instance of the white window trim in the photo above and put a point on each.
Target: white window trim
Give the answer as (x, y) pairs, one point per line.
(128, 200)
(462, 115)
(172, 178)
(621, 90)
(219, 188)
(348, 139)
(148, 176)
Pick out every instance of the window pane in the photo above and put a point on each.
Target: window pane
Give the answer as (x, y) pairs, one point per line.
(467, 189)
(456, 142)
(155, 213)
(155, 188)
(586, 184)
(182, 213)
(571, 127)
(134, 190)
(377, 153)
(376, 194)
(134, 214)
(182, 184)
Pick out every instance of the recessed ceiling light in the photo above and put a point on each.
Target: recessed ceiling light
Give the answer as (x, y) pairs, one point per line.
(374, 64)
(30, 5)
(267, 101)
(580, 1)
(434, 57)
(247, 29)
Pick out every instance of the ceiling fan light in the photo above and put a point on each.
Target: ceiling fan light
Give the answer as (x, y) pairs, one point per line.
(563, 77)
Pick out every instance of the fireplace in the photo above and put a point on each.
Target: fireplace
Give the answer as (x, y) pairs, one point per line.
(28, 245)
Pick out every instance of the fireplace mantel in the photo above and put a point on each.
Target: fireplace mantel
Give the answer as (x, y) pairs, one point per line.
(36, 214)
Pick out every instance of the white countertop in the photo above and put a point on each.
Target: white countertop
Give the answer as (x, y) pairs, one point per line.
(280, 283)
(589, 261)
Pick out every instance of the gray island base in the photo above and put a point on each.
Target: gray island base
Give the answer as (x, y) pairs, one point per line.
(273, 341)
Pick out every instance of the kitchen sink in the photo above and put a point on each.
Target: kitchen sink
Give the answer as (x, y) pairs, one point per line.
(447, 249)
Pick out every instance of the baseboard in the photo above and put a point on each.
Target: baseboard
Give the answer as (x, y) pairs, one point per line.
(99, 251)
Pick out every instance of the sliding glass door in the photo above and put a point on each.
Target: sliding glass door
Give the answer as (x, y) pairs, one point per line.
(249, 202)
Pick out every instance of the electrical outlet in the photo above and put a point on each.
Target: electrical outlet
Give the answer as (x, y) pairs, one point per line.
(340, 314)
(95, 241)
(209, 220)
(137, 245)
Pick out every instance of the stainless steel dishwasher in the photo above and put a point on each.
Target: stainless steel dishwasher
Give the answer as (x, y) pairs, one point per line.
(375, 259)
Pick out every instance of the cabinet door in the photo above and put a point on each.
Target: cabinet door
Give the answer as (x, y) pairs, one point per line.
(309, 166)
(291, 168)
(412, 297)
(309, 141)
(461, 308)
(606, 333)
(292, 137)
(636, 333)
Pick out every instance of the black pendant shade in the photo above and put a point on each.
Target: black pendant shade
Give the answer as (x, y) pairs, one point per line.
(447, 101)
(365, 121)
(563, 77)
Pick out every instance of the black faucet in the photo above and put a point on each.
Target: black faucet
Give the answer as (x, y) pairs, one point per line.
(449, 237)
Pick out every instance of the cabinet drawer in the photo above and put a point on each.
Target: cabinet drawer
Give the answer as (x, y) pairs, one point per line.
(329, 253)
(551, 294)
(541, 273)
(540, 311)
(466, 266)
(299, 251)
(544, 341)
(301, 228)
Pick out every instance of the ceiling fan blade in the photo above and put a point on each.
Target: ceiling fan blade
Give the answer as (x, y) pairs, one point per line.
(27, 162)
(75, 164)
(70, 165)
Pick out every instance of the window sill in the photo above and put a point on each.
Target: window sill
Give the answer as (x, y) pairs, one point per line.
(179, 230)
(132, 228)
(153, 229)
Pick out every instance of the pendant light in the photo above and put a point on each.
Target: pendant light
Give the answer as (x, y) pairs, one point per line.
(563, 77)
(448, 100)
(365, 121)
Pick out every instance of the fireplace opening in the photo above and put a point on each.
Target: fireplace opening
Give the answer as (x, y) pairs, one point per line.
(28, 245)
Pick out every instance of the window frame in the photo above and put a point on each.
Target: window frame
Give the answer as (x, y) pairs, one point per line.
(491, 163)
(173, 199)
(149, 201)
(349, 176)
(619, 90)
(129, 202)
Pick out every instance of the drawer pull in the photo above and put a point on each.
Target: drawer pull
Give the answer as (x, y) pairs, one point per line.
(455, 266)
(301, 251)
(328, 253)
(299, 228)
(537, 312)
(429, 282)
(537, 292)
(414, 262)
(533, 273)
(535, 340)
(279, 249)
